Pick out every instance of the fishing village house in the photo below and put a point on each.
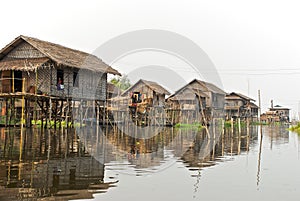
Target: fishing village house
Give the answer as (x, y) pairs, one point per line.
(197, 101)
(240, 106)
(36, 69)
(148, 92)
(142, 98)
(276, 113)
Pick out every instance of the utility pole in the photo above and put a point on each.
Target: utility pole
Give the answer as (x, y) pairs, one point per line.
(259, 105)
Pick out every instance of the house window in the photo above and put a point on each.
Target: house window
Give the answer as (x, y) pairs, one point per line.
(75, 79)
(60, 79)
(136, 97)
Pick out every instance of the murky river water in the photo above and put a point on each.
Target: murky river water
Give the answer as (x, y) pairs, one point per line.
(174, 164)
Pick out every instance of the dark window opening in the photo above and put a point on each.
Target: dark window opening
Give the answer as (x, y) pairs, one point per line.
(60, 79)
(136, 97)
(75, 79)
(18, 81)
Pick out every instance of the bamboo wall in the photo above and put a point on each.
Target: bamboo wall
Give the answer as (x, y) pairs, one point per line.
(24, 50)
(92, 85)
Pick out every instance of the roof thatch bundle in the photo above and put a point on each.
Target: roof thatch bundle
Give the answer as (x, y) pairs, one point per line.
(59, 54)
(152, 85)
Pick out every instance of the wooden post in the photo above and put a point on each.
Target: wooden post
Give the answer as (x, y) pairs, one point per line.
(10, 111)
(6, 112)
(41, 115)
(259, 106)
(13, 81)
(55, 113)
(35, 97)
(80, 113)
(50, 111)
(61, 112)
(67, 113)
(23, 105)
(46, 113)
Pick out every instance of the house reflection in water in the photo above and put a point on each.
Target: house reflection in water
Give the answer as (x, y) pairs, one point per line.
(140, 156)
(44, 163)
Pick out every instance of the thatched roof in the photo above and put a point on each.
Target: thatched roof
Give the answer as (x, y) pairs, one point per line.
(235, 96)
(59, 54)
(113, 89)
(186, 94)
(152, 85)
(200, 86)
(253, 105)
(22, 64)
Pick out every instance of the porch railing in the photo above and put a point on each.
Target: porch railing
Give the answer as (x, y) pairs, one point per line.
(12, 85)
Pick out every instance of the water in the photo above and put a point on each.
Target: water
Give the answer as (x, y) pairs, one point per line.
(175, 164)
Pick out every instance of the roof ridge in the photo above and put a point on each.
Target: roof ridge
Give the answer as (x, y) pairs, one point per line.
(45, 41)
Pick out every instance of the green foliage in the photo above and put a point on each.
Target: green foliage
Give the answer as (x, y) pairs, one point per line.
(50, 124)
(122, 82)
(192, 126)
(295, 128)
(257, 123)
(227, 124)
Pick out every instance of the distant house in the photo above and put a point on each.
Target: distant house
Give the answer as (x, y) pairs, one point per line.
(240, 106)
(52, 69)
(147, 92)
(112, 91)
(276, 114)
(199, 95)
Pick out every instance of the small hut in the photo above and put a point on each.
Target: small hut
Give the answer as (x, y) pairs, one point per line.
(145, 101)
(34, 68)
(238, 105)
(148, 92)
(203, 97)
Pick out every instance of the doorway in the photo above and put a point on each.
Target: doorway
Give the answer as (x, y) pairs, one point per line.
(18, 81)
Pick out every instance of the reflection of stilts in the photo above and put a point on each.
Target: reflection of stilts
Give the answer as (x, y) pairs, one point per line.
(259, 158)
(196, 185)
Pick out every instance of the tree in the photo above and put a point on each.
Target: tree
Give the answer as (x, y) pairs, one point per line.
(122, 82)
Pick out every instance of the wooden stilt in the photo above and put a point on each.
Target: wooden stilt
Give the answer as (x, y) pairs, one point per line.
(41, 115)
(6, 112)
(50, 111)
(61, 112)
(80, 113)
(55, 113)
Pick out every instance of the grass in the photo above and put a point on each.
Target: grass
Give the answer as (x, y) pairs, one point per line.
(257, 123)
(227, 124)
(50, 124)
(295, 128)
(196, 126)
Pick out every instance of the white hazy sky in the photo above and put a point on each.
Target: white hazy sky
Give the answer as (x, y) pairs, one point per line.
(253, 44)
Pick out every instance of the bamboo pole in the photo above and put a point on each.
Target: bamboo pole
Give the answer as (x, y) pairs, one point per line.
(35, 98)
(259, 106)
(50, 111)
(13, 81)
(203, 115)
(6, 111)
(23, 105)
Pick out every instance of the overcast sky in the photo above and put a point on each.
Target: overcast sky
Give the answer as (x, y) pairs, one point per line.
(253, 44)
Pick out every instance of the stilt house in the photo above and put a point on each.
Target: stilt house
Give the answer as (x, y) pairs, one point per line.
(202, 97)
(148, 92)
(42, 71)
(240, 106)
(52, 69)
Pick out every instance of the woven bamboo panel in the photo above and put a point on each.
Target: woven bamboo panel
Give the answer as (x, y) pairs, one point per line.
(24, 50)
